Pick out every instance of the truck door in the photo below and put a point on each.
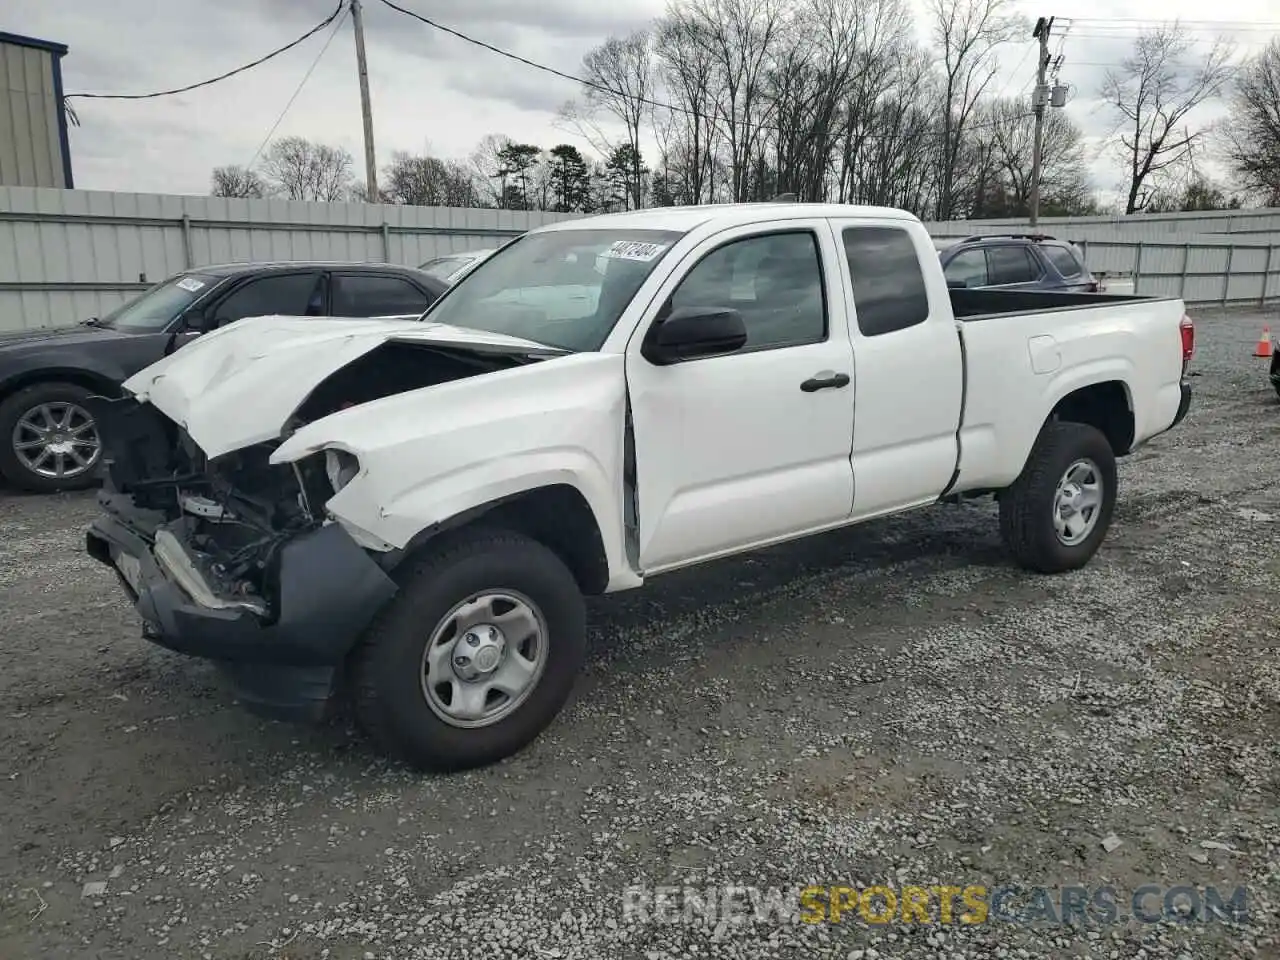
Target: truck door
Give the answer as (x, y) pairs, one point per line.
(753, 446)
(908, 362)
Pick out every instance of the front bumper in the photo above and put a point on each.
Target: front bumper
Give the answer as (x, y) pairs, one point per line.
(328, 591)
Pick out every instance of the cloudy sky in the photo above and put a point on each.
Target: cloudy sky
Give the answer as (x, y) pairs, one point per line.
(432, 92)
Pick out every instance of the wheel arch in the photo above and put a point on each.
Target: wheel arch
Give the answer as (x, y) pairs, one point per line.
(1106, 405)
(557, 515)
(87, 379)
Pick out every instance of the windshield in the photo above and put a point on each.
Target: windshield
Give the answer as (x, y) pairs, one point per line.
(156, 309)
(562, 288)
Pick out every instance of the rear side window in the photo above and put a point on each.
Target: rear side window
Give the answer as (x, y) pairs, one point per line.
(370, 295)
(969, 267)
(1064, 260)
(1011, 265)
(888, 285)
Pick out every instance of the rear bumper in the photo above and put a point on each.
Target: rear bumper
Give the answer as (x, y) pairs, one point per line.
(329, 590)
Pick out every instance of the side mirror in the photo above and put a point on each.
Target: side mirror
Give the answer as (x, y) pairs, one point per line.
(688, 333)
(197, 321)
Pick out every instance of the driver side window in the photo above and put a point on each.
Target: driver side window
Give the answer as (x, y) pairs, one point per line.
(774, 281)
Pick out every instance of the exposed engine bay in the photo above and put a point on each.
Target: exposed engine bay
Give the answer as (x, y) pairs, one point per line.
(230, 516)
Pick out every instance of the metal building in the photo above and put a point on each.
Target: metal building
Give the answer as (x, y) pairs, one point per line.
(34, 150)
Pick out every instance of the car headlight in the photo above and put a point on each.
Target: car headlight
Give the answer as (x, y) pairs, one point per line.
(340, 467)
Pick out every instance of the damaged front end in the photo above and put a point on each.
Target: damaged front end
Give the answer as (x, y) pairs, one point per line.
(229, 558)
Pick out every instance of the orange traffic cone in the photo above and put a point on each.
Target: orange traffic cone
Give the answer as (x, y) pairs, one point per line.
(1264, 344)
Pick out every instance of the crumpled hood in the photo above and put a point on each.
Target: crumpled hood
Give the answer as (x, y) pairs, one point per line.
(240, 384)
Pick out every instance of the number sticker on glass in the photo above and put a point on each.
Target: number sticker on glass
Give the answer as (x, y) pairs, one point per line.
(634, 250)
(191, 284)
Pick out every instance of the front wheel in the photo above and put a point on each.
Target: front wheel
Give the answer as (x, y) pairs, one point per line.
(475, 657)
(48, 439)
(1055, 515)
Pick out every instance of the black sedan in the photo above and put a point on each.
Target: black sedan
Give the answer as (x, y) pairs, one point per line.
(48, 440)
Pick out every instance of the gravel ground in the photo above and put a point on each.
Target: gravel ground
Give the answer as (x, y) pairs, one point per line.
(893, 704)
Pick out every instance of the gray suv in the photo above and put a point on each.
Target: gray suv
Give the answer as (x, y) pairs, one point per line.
(1016, 261)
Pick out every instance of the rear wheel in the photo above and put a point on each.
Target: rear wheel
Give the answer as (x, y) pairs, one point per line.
(475, 657)
(48, 439)
(1055, 515)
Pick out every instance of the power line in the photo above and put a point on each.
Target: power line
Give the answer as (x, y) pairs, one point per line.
(1013, 78)
(230, 73)
(583, 81)
(1206, 24)
(305, 77)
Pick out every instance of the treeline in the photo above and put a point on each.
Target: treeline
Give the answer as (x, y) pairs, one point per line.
(831, 100)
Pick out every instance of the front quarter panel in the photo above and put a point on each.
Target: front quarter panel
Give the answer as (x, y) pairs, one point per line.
(429, 455)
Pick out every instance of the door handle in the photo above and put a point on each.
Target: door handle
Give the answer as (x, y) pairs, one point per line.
(825, 381)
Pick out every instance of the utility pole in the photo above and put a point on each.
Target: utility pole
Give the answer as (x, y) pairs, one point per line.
(370, 161)
(1040, 100)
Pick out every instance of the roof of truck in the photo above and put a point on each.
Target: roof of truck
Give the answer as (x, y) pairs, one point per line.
(684, 219)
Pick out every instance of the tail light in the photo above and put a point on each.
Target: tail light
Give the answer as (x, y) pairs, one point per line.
(1188, 330)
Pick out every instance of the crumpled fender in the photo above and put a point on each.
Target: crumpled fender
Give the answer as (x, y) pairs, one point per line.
(431, 454)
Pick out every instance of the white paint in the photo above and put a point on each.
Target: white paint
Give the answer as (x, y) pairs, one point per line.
(239, 384)
(731, 454)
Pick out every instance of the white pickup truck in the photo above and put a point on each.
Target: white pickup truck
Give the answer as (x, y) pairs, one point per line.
(411, 512)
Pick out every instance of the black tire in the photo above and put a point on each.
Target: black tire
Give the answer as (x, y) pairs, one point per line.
(1027, 506)
(386, 668)
(13, 409)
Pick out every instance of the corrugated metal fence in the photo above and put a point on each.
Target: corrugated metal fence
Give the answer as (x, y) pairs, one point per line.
(70, 254)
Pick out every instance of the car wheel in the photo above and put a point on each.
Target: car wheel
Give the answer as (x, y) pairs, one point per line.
(476, 655)
(48, 439)
(1055, 515)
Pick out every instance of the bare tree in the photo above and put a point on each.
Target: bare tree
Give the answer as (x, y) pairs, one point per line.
(621, 75)
(236, 181)
(741, 37)
(1252, 129)
(688, 132)
(967, 33)
(488, 163)
(890, 147)
(428, 182)
(300, 169)
(1152, 94)
(1010, 133)
(885, 68)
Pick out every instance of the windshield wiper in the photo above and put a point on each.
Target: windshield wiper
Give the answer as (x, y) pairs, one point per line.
(92, 322)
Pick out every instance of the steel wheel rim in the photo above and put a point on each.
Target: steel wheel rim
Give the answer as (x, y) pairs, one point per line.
(502, 637)
(1077, 503)
(57, 440)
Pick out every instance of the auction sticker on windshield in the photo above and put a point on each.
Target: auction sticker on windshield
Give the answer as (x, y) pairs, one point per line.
(634, 250)
(191, 284)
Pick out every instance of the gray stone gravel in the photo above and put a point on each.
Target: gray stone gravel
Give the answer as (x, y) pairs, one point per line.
(895, 704)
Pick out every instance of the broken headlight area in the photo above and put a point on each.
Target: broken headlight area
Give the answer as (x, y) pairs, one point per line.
(226, 523)
(218, 525)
